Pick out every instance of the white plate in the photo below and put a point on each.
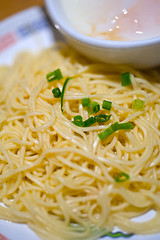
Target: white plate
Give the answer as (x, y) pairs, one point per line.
(31, 30)
(27, 30)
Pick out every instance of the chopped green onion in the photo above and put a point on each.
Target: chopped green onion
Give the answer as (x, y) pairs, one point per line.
(102, 118)
(125, 126)
(102, 232)
(93, 107)
(86, 102)
(138, 104)
(122, 177)
(78, 118)
(118, 234)
(125, 79)
(62, 94)
(89, 122)
(51, 76)
(107, 105)
(56, 92)
(106, 133)
(78, 121)
(114, 127)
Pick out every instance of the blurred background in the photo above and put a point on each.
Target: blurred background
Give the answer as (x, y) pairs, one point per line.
(9, 7)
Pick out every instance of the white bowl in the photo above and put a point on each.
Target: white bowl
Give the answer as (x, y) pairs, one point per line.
(139, 53)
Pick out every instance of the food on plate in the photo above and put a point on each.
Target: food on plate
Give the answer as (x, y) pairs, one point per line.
(79, 146)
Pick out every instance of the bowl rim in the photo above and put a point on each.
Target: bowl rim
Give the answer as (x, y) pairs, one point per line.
(93, 42)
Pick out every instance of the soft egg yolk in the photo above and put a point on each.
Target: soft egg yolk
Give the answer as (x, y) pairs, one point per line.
(140, 21)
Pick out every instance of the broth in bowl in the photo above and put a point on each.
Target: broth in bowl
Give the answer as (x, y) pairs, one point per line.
(117, 20)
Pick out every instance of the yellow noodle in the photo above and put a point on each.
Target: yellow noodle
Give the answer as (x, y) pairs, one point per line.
(59, 178)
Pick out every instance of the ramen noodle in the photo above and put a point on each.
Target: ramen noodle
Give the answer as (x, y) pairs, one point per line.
(64, 180)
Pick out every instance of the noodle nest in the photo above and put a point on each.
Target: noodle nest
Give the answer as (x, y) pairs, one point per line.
(60, 178)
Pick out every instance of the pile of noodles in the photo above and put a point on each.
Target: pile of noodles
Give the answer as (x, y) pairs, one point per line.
(60, 178)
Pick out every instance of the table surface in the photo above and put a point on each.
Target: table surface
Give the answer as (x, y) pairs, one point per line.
(9, 7)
